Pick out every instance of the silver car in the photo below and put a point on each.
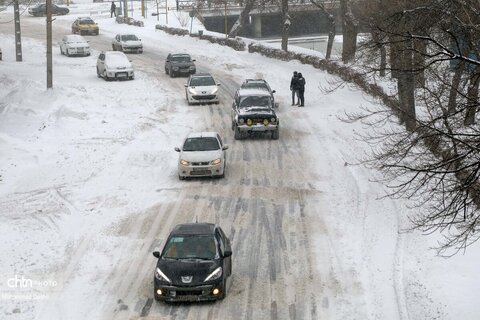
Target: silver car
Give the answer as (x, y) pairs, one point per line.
(74, 45)
(202, 155)
(114, 65)
(201, 88)
(127, 43)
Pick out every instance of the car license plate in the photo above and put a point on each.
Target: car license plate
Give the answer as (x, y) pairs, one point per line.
(258, 128)
(122, 75)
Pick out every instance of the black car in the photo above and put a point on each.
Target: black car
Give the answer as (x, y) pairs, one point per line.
(41, 10)
(194, 264)
(179, 64)
(252, 112)
(262, 84)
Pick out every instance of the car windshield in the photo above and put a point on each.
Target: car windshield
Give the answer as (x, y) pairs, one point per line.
(190, 247)
(182, 58)
(257, 101)
(87, 21)
(202, 81)
(255, 85)
(129, 37)
(201, 144)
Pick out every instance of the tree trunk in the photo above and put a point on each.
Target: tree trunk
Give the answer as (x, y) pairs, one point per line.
(286, 25)
(419, 62)
(406, 85)
(242, 20)
(472, 98)
(331, 28)
(350, 31)
(452, 97)
(383, 51)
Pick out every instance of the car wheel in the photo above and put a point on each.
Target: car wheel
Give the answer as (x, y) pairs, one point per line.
(67, 53)
(237, 134)
(131, 78)
(61, 51)
(113, 48)
(180, 177)
(166, 70)
(233, 126)
(98, 73)
(275, 134)
(105, 76)
(172, 74)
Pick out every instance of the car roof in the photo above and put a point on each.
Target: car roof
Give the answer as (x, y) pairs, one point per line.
(179, 54)
(84, 18)
(202, 134)
(253, 92)
(193, 228)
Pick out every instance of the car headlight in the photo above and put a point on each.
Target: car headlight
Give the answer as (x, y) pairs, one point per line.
(214, 91)
(184, 162)
(217, 161)
(249, 122)
(192, 67)
(161, 276)
(192, 91)
(273, 120)
(241, 120)
(175, 68)
(265, 122)
(217, 273)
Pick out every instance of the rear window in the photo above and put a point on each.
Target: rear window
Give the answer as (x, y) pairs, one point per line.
(87, 21)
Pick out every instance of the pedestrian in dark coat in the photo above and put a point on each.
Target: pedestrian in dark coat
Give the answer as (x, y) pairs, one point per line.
(113, 10)
(301, 89)
(294, 88)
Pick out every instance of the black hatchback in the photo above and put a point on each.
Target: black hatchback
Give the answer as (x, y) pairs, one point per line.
(194, 264)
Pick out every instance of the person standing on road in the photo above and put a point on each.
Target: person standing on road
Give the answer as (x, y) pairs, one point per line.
(301, 89)
(294, 88)
(113, 10)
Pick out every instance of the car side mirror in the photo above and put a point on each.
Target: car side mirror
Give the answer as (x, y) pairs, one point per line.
(225, 148)
(186, 85)
(218, 84)
(194, 60)
(273, 91)
(227, 253)
(167, 60)
(177, 149)
(156, 254)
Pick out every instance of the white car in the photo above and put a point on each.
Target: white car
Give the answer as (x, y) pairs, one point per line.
(127, 43)
(201, 88)
(73, 45)
(202, 155)
(114, 65)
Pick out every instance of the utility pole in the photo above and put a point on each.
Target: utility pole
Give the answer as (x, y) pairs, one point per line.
(125, 9)
(18, 38)
(49, 44)
(166, 12)
(226, 20)
(143, 8)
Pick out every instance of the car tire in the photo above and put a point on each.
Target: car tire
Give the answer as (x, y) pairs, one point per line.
(172, 74)
(166, 70)
(180, 177)
(98, 73)
(275, 134)
(113, 48)
(188, 101)
(237, 134)
(67, 53)
(61, 51)
(105, 76)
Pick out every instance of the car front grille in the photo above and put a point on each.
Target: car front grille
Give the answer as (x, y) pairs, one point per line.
(205, 163)
(201, 172)
(206, 97)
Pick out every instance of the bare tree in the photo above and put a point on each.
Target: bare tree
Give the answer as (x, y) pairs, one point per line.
(285, 25)
(331, 26)
(242, 20)
(350, 31)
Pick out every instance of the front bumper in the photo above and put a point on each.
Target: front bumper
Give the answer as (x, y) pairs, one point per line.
(88, 31)
(172, 293)
(79, 51)
(185, 71)
(207, 98)
(120, 74)
(132, 49)
(259, 127)
(201, 170)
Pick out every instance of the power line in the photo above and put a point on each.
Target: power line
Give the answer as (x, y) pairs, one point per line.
(28, 5)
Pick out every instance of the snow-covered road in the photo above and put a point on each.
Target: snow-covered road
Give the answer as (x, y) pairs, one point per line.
(89, 189)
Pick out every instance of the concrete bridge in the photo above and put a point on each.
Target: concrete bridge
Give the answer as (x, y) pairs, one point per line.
(265, 18)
